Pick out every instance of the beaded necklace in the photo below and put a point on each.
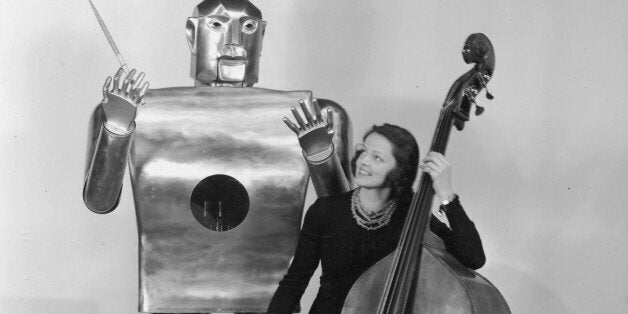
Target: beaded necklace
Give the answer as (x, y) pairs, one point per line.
(371, 220)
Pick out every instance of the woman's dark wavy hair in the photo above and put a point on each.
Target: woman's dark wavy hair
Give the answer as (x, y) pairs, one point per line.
(406, 154)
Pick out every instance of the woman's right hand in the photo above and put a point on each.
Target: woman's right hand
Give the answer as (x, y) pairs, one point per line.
(121, 99)
(315, 135)
(440, 170)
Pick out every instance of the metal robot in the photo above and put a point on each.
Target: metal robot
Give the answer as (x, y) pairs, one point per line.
(219, 182)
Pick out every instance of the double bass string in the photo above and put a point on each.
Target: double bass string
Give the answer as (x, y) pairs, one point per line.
(403, 272)
(407, 260)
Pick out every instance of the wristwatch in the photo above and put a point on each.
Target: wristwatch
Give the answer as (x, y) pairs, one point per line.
(446, 203)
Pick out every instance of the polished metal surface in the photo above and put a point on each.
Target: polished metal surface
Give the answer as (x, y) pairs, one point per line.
(225, 39)
(343, 141)
(199, 255)
(105, 165)
(218, 181)
(185, 135)
(327, 176)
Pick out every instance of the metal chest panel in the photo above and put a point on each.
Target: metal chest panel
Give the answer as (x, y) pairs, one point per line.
(185, 135)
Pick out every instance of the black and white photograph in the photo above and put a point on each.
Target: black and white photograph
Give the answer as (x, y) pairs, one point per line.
(258, 156)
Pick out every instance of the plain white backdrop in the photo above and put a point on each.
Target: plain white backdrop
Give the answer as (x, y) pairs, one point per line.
(542, 173)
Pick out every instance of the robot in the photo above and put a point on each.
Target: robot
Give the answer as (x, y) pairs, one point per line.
(218, 182)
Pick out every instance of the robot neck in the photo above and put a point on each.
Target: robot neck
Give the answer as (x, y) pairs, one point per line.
(222, 84)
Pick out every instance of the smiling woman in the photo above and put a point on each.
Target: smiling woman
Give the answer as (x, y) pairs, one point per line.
(350, 232)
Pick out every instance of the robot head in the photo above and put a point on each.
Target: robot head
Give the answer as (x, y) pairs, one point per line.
(225, 37)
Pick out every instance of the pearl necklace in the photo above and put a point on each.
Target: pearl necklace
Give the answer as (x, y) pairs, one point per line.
(371, 220)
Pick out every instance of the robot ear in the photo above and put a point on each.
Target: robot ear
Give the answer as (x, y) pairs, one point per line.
(190, 32)
(263, 24)
(263, 28)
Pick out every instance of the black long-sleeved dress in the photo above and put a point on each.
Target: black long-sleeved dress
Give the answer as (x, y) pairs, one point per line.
(332, 236)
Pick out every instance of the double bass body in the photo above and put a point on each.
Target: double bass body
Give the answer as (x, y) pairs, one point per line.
(444, 285)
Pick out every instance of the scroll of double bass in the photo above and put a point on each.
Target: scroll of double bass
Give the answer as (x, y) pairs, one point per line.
(420, 276)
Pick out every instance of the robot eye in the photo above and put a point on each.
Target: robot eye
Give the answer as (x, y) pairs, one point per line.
(215, 24)
(249, 26)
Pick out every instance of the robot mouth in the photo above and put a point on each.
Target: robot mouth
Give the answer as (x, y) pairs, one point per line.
(231, 69)
(232, 61)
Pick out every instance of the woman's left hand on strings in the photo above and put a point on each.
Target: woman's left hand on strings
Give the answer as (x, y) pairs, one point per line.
(440, 170)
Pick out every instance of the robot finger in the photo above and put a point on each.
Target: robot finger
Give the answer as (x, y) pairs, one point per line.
(291, 125)
(142, 92)
(119, 73)
(127, 88)
(317, 111)
(330, 120)
(116, 80)
(128, 81)
(105, 88)
(306, 112)
(297, 117)
(139, 80)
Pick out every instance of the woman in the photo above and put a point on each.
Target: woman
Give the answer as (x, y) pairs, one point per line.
(348, 233)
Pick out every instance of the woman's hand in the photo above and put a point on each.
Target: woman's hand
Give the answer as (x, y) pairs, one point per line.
(440, 170)
(315, 135)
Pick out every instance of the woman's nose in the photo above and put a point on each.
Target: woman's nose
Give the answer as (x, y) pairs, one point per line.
(365, 161)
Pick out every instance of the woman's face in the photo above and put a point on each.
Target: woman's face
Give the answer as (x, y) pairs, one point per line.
(375, 161)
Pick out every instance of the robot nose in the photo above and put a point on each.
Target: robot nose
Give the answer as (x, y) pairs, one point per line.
(234, 36)
(233, 50)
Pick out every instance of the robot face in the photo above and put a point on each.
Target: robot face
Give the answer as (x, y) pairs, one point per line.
(226, 41)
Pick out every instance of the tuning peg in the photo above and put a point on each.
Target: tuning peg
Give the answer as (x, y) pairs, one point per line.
(478, 110)
(489, 96)
(483, 80)
(459, 124)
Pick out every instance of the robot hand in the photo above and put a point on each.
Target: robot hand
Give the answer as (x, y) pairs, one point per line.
(315, 136)
(120, 101)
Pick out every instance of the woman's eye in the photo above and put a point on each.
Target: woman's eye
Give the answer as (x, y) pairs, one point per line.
(379, 159)
(359, 149)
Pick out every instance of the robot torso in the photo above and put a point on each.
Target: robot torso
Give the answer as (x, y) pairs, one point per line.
(219, 185)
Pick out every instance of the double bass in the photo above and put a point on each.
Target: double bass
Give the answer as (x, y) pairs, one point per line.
(420, 276)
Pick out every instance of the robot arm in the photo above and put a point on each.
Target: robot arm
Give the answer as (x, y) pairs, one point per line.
(327, 175)
(326, 155)
(111, 128)
(105, 165)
